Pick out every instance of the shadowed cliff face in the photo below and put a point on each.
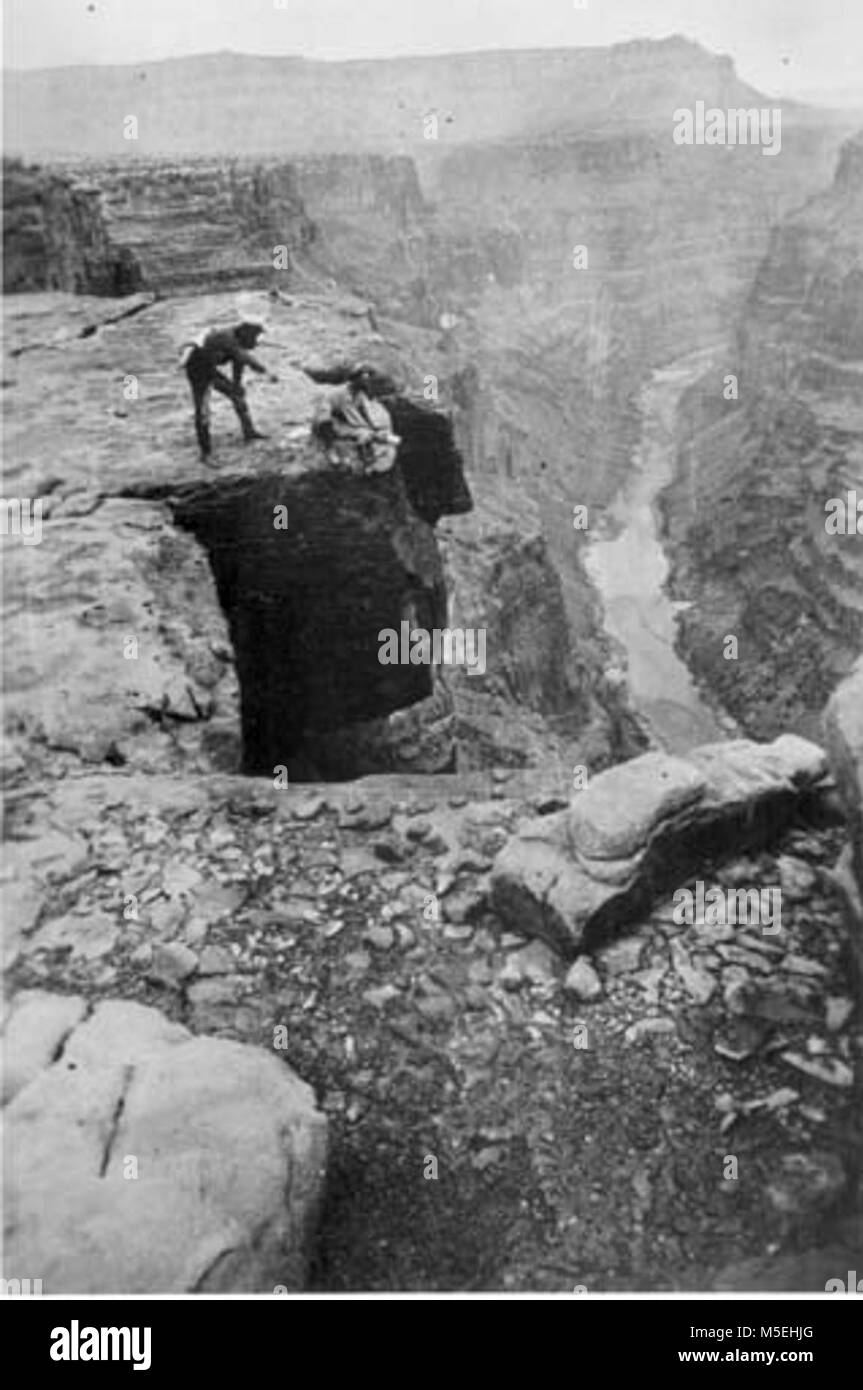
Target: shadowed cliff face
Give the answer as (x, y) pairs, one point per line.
(748, 515)
(432, 466)
(307, 591)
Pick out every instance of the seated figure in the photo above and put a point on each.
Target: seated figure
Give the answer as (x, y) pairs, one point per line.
(355, 428)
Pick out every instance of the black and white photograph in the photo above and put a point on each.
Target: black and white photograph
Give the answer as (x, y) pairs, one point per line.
(432, 603)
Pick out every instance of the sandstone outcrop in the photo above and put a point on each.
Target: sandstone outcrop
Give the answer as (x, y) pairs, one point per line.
(636, 828)
(141, 1159)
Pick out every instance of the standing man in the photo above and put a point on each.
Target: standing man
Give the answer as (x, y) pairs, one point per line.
(202, 363)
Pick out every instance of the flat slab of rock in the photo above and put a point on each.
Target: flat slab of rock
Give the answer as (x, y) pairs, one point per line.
(146, 1160)
(598, 861)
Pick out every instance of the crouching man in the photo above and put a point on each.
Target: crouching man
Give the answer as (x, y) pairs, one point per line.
(355, 428)
(202, 361)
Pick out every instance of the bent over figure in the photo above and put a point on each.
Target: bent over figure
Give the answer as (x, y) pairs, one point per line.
(202, 362)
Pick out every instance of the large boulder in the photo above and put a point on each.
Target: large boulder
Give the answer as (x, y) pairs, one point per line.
(143, 1160)
(641, 826)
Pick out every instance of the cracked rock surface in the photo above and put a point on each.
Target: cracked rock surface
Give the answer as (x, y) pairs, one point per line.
(143, 1159)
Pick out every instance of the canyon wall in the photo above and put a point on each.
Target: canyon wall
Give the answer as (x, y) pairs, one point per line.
(55, 236)
(748, 515)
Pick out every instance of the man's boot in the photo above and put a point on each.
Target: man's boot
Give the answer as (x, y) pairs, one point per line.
(242, 408)
(205, 443)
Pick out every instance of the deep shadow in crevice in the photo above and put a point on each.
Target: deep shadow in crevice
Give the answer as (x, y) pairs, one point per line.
(309, 570)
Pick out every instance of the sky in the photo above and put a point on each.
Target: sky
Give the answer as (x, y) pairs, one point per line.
(780, 46)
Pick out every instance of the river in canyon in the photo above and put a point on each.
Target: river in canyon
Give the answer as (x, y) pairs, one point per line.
(626, 561)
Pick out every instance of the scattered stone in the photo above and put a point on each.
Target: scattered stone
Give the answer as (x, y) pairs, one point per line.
(807, 1182)
(390, 849)
(195, 932)
(358, 962)
(436, 844)
(454, 932)
(180, 880)
(622, 957)
(583, 981)
(357, 861)
(480, 972)
(534, 964)
(381, 996)
(736, 984)
(465, 902)
(436, 1008)
(814, 1113)
(89, 937)
(308, 807)
(382, 938)
(215, 900)
(802, 965)
(797, 879)
(777, 1100)
(738, 1039)
(649, 981)
(831, 1071)
(741, 874)
(172, 963)
(224, 990)
(216, 960)
(419, 830)
(167, 915)
(748, 959)
(649, 1028)
(698, 983)
(373, 817)
(486, 1158)
(839, 1010)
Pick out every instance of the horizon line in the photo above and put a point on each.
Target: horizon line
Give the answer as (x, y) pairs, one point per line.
(677, 36)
